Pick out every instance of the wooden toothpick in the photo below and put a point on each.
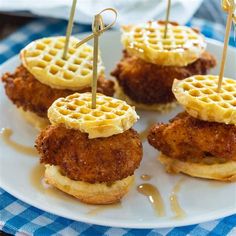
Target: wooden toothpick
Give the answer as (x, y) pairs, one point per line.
(98, 28)
(167, 18)
(230, 8)
(69, 28)
(97, 25)
(101, 30)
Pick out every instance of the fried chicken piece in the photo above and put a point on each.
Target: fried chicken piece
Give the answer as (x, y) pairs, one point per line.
(188, 138)
(90, 160)
(148, 83)
(27, 92)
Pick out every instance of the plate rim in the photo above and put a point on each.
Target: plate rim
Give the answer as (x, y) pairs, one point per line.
(101, 221)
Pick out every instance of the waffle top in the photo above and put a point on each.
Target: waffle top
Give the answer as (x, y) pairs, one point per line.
(198, 94)
(181, 47)
(43, 59)
(111, 116)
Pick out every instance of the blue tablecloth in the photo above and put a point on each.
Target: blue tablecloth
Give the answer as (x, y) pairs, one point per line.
(19, 217)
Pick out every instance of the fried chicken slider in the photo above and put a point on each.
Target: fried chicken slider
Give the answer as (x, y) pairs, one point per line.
(90, 153)
(200, 142)
(151, 62)
(45, 76)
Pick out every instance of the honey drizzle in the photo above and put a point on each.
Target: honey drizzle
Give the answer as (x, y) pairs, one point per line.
(145, 177)
(6, 135)
(174, 201)
(154, 197)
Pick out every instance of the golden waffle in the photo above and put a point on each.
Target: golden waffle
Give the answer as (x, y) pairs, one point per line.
(198, 94)
(181, 47)
(43, 59)
(111, 116)
(225, 171)
(97, 193)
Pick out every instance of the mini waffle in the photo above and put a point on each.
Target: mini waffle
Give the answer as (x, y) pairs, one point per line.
(98, 193)
(198, 94)
(111, 116)
(43, 59)
(181, 47)
(218, 171)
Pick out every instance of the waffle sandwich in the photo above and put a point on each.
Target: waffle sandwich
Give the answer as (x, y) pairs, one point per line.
(200, 142)
(45, 76)
(151, 62)
(88, 153)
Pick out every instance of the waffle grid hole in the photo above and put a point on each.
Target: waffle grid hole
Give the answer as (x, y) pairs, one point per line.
(52, 52)
(225, 105)
(125, 108)
(198, 85)
(120, 113)
(233, 103)
(113, 105)
(41, 64)
(64, 112)
(40, 46)
(206, 91)
(229, 89)
(227, 97)
(71, 51)
(194, 93)
(151, 35)
(209, 84)
(47, 41)
(106, 109)
(60, 63)
(85, 110)
(67, 75)
(60, 104)
(72, 68)
(205, 99)
(79, 103)
(54, 70)
(59, 45)
(33, 53)
(88, 66)
(75, 116)
(71, 107)
(77, 61)
(97, 113)
(110, 116)
(186, 87)
(89, 118)
(83, 55)
(47, 58)
(215, 98)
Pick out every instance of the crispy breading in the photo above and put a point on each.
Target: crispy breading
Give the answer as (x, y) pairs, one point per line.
(90, 160)
(148, 83)
(27, 92)
(188, 138)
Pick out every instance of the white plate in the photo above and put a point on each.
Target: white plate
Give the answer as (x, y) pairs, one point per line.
(201, 199)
